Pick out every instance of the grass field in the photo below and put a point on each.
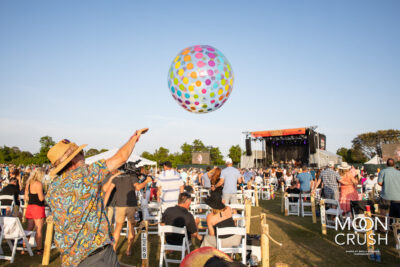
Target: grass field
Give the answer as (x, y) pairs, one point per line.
(303, 244)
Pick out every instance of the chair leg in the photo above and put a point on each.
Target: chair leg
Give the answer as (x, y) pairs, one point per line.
(14, 250)
(161, 257)
(28, 246)
(244, 255)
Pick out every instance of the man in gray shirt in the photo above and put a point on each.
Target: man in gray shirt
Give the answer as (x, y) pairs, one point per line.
(389, 179)
(229, 179)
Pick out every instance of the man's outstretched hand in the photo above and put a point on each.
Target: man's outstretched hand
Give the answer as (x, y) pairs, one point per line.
(138, 133)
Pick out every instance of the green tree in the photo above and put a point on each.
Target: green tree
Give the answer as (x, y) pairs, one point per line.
(161, 155)
(186, 155)
(345, 153)
(357, 155)
(46, 142)
(91, 152)
(352, 155)
(216, 157)
(198, 146)
(235, 153)
(371, 143)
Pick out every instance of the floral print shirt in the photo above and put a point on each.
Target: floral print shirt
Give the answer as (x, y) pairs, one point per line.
(80, 221)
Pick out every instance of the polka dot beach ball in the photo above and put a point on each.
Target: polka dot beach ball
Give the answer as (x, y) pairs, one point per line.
(200, 79)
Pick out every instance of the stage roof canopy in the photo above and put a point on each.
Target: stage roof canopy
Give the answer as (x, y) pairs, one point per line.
(284, 132)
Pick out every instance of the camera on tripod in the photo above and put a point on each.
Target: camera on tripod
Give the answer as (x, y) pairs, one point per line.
(131, 167)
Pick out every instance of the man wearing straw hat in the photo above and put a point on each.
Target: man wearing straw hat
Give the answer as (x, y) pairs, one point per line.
(74, 196)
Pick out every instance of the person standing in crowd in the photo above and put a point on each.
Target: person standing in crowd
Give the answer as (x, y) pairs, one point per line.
(248, 175)
(110, 204)
(288, 177)
(215, 176)
(169, 185)
(389, 179)
(12, 189)
(125, 203)
(184, 176)
(229, 179)
(180, 216)
(219, 217)
(206, 179)
(35, 211)
(305, 180)
(370, 183)
(348, 188)
(330, 182)
(76, 201)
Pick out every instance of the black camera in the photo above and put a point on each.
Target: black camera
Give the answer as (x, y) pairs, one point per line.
(131, 168)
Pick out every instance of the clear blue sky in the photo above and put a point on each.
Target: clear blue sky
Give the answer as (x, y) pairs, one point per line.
(94, 71)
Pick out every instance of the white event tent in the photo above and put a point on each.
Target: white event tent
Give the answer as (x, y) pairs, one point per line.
(108, 154)
(375, 160)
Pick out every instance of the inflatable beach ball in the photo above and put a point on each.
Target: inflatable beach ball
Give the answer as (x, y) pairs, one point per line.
(200, 79)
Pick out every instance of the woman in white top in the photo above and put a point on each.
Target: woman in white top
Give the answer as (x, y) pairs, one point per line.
(288, 177)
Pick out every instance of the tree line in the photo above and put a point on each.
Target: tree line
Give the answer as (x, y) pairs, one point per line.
(367, 145)
(184, 157)
(13, 155)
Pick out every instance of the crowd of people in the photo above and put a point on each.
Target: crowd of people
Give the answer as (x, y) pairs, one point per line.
(90, 203)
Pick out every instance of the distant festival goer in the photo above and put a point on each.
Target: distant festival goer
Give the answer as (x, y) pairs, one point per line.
(81, 229)
(389, 179)
(215, 174)
(305, 179)
(12, 189)
(169, 185)
(348, 188)
(220, 217)
(35, 211)
(229, 179)
(206, 179)
(330, 180)
(125, 204)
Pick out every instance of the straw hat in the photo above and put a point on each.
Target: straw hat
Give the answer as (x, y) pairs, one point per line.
(200, 256)
(215, 202)
(61, 154)
(344, 166)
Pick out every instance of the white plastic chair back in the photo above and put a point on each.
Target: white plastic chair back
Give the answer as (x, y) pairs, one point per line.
(241, 249)
(183, 248)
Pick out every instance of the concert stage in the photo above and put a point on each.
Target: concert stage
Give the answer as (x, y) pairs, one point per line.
(289, 146)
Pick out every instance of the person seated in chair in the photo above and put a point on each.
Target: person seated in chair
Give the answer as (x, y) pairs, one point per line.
(12, 189)
(180, 216)
(293, 190)
(220, 217)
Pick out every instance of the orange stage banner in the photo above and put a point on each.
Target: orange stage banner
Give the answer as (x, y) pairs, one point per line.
(284, 132)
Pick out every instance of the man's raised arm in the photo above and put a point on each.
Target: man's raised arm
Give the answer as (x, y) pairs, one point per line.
(124, 152)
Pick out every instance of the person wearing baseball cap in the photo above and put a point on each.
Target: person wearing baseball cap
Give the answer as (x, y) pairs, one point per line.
(81, 228)
(229, 179)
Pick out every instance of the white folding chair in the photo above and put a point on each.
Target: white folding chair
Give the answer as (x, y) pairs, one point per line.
(5, 207)
(183, 248)
(241, 249)
(239, 216)
(152, 214)
(22, 204)
(200, 211)
(250, 194)
(305, 201)
(265, 194)
(240, 198)
(11, 230)
(293, 208)
(332, 211)
(203, 194)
